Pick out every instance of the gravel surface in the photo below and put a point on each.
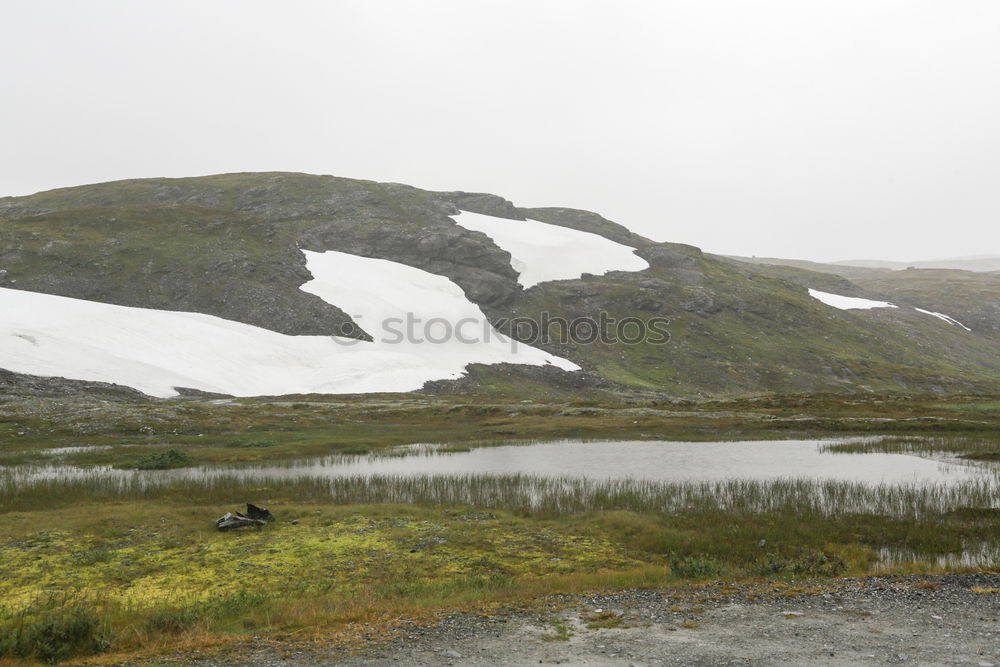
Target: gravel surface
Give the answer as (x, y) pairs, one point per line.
(947, 620)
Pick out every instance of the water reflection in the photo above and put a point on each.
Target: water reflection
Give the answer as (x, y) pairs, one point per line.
(659, 461)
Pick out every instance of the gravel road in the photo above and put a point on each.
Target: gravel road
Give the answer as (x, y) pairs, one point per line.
(948, 620)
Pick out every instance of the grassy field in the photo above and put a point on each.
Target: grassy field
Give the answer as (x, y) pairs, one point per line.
(117, 572)
(122, 432)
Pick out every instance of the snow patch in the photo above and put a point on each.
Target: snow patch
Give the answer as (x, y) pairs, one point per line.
(541, 252)
(155, 351)
(848, 302)
(942, 316)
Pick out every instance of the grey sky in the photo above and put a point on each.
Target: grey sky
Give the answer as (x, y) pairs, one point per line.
(820, 130)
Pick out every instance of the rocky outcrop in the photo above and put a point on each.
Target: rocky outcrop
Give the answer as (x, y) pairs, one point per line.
(33, 385)
(586, 221)
(175, 258)
(670, 255)
(229, 245)
(521, 380)
(470, 259)
(480, 202)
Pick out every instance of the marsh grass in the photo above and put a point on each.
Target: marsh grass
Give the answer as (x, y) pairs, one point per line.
(992, 455)
(53, 629)
(696, 567)
(326, 425)
(455, 449)
(173, 619)
(522, 493)
(172, 458)
(973, 448)
(252, 443)
(704, 529)
(812, 563)
(639, 533)
(319, 586)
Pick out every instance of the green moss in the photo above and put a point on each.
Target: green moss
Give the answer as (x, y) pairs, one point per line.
(328, 550)
(158, 567)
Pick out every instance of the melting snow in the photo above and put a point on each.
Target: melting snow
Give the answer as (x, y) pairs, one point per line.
(155, 350)
(942, 316)
(540, 252)
(848, 302)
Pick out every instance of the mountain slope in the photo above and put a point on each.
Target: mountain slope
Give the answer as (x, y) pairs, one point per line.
(159, 351)
(234, 246)
(971, 297)
(980, 263)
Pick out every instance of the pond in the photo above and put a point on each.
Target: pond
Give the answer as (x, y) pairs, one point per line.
(572, 476)
(659, 461)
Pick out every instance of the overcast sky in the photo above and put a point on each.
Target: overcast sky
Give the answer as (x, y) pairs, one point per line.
(820, 130)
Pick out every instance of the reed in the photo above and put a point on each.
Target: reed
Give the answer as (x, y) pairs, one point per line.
(928, 446)
(520, 493)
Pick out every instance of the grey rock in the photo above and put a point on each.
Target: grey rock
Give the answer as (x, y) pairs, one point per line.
(479, 202)
(670, 255)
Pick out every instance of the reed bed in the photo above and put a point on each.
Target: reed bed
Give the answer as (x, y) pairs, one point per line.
(522, 493)
(922, 446)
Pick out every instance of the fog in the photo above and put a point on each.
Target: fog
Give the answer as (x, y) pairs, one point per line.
(818, 130)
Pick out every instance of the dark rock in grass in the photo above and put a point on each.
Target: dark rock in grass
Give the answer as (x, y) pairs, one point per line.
(259, 513)
(254, 517)
(231, 521)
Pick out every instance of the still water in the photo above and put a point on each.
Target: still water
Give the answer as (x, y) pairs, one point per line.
(607, 460)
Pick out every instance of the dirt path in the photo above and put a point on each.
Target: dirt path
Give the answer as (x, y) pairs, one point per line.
(950, 620)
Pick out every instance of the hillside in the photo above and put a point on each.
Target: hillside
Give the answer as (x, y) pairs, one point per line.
(977, 263)
(972, 297)
(236, 247)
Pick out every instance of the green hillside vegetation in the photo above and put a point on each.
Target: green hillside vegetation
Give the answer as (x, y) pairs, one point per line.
(229, 245)
(973, 298)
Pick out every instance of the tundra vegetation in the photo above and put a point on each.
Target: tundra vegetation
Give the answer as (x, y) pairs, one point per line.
(95, 566)
(91, 567)
(736, 327)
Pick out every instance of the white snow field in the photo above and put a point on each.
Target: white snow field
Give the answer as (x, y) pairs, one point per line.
(155, 351)
(540, 252)
(848, 302)
(942, 316)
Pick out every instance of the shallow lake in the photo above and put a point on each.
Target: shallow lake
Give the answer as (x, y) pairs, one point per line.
(598, 460)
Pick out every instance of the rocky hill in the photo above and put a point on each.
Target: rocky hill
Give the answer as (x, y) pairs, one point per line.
(232, 246)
